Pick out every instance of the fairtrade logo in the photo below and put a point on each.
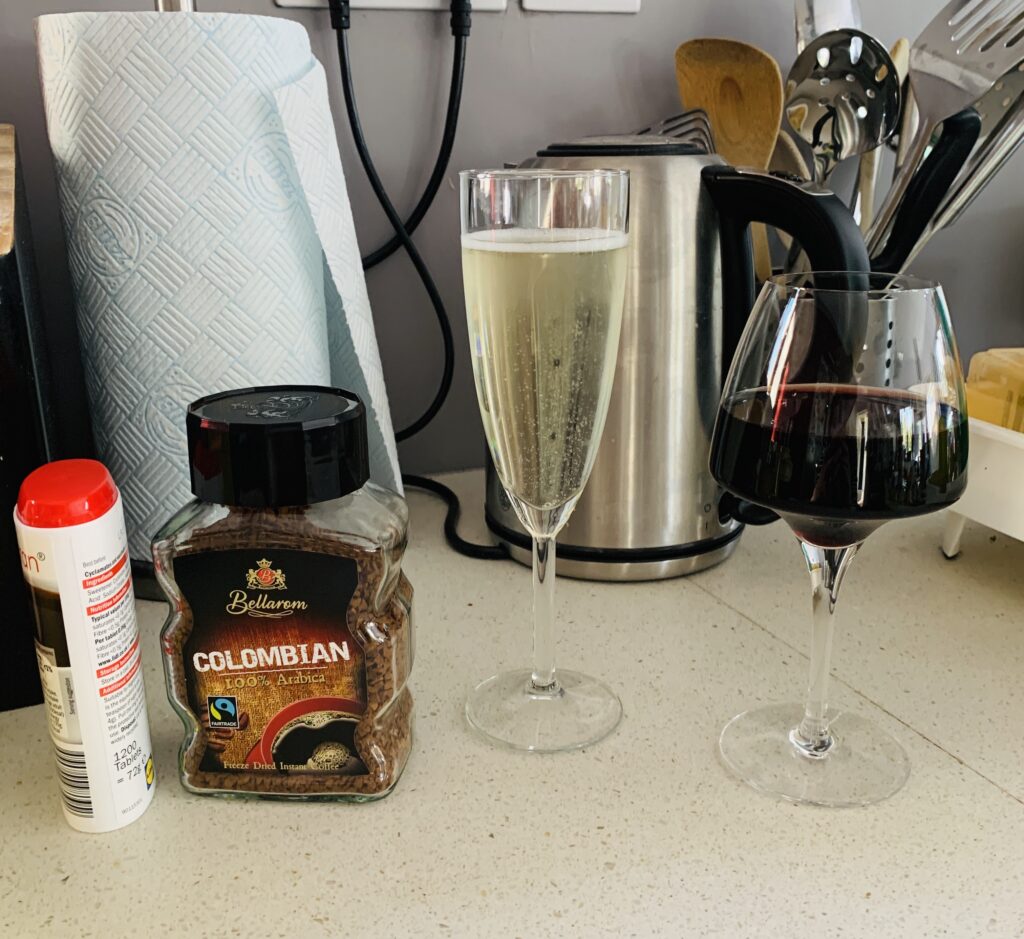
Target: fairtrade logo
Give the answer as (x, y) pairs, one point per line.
(264, 577)
(223, 711)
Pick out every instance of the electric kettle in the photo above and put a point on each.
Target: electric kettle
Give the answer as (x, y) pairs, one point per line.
(651, 508)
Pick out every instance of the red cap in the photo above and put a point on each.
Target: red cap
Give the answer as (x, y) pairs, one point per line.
(64, 493)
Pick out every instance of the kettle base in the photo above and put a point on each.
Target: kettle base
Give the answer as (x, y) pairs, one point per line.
(689, 560)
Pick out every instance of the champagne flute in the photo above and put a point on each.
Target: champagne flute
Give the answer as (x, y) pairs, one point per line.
(544, 268)
(844, 409)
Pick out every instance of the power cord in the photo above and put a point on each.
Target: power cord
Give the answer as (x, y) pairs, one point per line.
(483, 552)
(444, 154)
(396, 223)
(460, 24)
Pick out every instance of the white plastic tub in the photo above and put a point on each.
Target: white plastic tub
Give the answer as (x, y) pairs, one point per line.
(995, 485)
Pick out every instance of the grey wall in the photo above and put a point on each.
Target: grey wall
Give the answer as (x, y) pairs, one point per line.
(532, 79)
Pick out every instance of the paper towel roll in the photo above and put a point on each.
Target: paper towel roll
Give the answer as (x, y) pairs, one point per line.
(209, 232)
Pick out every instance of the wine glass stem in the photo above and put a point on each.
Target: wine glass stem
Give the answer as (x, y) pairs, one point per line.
(543, 680)
(827, 567)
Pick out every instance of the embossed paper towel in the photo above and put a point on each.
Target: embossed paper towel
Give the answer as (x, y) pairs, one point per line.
(209, 232)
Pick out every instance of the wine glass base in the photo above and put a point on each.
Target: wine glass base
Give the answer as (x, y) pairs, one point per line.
(505, 710)
(866, 764)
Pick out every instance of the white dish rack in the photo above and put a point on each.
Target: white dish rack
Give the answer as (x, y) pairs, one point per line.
(995, 485)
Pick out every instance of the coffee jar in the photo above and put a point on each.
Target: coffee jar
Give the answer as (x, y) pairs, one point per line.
(288, 647)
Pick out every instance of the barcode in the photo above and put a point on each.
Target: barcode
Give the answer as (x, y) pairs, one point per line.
(74, 782)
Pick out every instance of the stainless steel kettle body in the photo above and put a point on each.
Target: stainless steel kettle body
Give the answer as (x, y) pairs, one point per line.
(651, 508)
(651, 490)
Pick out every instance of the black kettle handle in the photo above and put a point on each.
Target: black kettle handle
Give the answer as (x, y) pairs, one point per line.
(928, 188)
(815, 217)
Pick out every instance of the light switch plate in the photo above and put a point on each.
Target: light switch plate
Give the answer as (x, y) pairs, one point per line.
(440, 6)
(581, 6)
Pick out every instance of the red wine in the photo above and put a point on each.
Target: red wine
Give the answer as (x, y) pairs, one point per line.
(836, 461)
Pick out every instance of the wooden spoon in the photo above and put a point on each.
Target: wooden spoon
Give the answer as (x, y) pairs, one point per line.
(740, 88)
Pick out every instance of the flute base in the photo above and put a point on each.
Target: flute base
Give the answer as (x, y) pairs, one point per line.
(506, 710)
(864, 764)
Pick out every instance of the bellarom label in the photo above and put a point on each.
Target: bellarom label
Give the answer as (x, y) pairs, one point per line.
(272, 672)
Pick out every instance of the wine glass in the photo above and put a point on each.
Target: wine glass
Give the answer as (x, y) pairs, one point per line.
(544, 269)
(844, 408)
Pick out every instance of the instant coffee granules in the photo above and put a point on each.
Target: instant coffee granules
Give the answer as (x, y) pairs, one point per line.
(289, 642)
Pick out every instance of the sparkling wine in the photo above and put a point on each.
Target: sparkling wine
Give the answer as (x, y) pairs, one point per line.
(836, 461)
(544, 310)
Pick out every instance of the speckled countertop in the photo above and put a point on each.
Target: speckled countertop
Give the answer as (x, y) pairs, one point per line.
(643, 835)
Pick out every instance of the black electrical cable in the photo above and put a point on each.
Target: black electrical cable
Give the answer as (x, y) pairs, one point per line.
(484, 552)
(396, 222)
(444, 155)
(460, 23)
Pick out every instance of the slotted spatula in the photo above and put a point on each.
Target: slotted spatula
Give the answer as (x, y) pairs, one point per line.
(959, 56)
(870, 162)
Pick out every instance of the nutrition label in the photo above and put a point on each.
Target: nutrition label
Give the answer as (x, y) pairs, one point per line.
(110, 609)
(109, 603)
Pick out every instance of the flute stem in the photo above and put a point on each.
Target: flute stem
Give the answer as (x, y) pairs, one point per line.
(543, 680)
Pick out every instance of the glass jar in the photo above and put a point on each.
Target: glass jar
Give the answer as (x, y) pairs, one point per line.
(289, 642)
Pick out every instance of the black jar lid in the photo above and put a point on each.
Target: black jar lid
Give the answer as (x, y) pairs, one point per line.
(283, 445)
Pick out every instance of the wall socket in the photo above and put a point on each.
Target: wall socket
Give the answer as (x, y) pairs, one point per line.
(440, 6)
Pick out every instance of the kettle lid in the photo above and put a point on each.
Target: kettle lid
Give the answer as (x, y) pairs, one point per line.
(622, 145)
